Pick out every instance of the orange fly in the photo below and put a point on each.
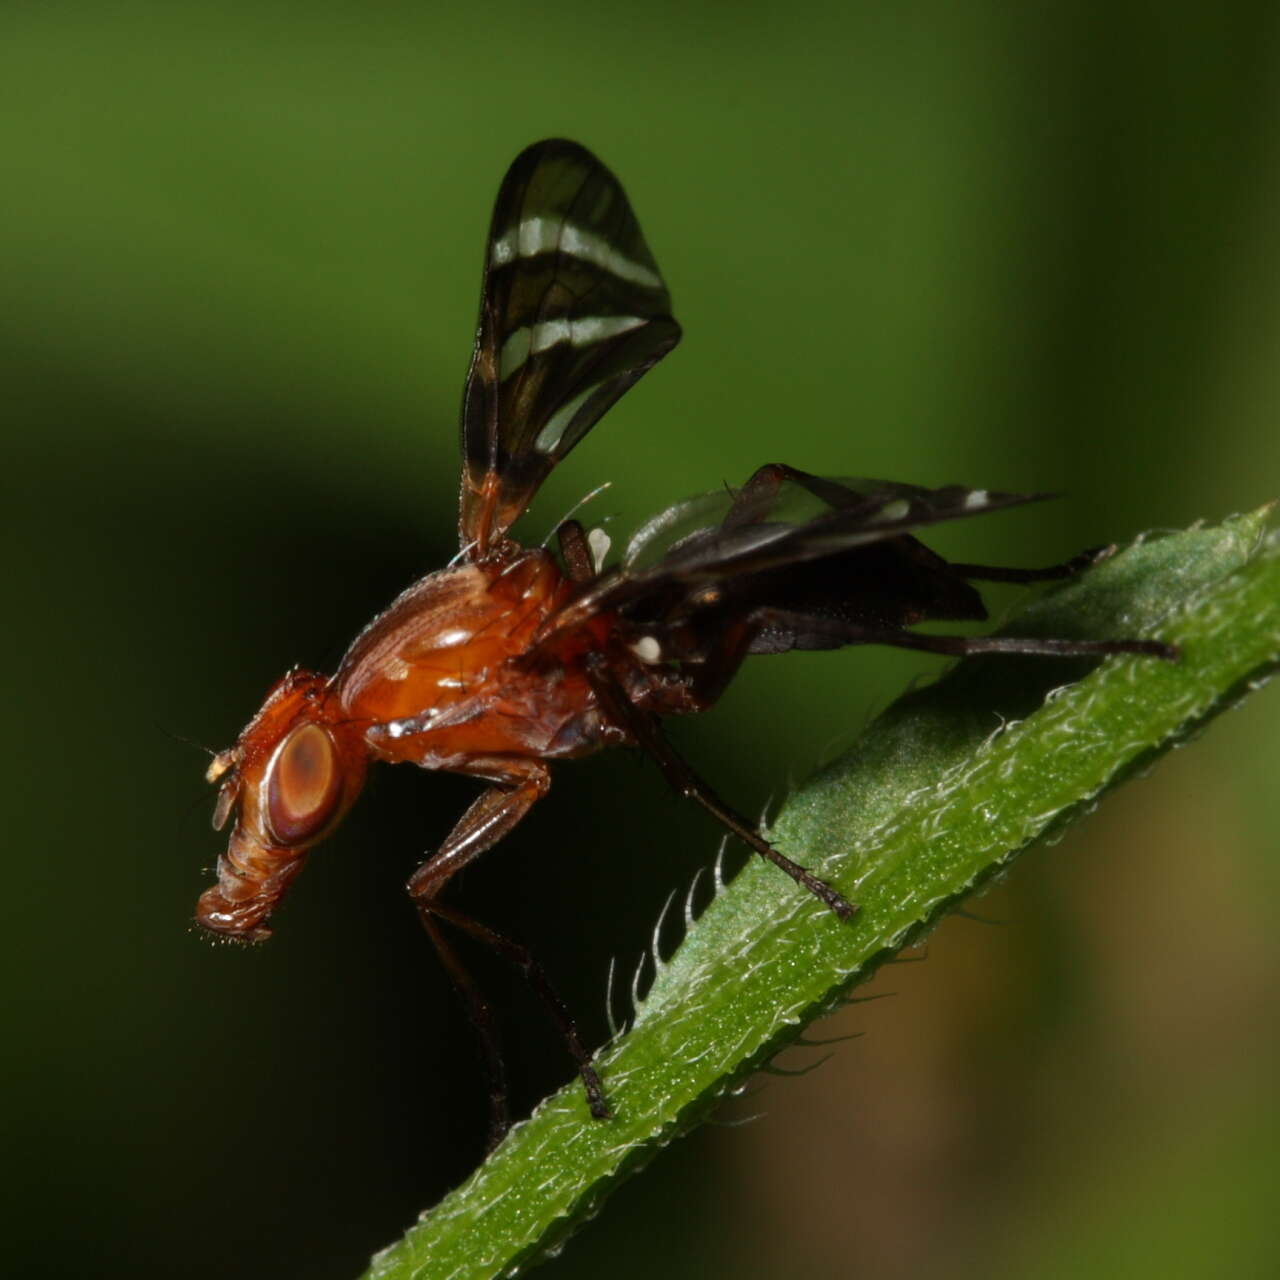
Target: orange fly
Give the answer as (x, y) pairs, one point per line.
(515, 657)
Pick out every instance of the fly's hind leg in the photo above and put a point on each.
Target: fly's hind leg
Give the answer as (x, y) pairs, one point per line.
(517, 785)
(962, 646)
(642, 727)
(1067, 569)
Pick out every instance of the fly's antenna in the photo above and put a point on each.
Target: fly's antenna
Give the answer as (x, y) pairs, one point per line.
(573, 511)
(178, 737)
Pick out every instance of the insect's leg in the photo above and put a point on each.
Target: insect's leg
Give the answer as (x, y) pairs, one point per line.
(708, 679)
(1067, 569)
(644, 729)
(965, 646)
(491, 816)
(576, 552)
(481, 1017)
(524, 959)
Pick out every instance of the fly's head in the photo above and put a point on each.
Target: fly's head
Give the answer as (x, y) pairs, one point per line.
(293, 773)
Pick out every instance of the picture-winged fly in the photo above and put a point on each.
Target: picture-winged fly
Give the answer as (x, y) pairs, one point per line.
(512, 657)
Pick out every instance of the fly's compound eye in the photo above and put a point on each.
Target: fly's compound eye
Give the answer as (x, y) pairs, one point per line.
(304, 786)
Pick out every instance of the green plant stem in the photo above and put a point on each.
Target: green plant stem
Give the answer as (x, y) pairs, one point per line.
(939, 794)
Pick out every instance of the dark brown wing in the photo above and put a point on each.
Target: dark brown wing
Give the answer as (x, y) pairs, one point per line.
(814, 546)
(573, 310)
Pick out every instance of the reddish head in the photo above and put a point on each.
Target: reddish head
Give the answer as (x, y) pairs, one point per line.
(292, 775)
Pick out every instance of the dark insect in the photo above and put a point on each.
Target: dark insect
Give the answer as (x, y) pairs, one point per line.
(512, 658)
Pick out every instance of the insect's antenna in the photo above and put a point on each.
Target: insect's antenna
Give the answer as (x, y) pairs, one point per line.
(178, 737)
(573, 511)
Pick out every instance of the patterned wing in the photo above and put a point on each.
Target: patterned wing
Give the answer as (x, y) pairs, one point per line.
(755, 546)
(573, 311)
(783, 516)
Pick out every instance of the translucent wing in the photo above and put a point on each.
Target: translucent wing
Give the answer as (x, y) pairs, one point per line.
(752, 546)
(783, 516)
(573, 310)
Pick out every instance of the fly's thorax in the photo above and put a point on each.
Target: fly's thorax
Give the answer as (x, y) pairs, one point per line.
(444, 640)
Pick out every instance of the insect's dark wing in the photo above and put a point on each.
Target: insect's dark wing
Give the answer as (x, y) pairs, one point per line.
(573, 311)
(791, 540)
(783, 516)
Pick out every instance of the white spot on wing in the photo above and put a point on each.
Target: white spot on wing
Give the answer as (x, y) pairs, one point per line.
(976, 498)
(898, 509)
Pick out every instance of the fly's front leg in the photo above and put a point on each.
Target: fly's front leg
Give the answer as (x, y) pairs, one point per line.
(490, 816)
(524, 959)
(518, 784)
(481, 1017)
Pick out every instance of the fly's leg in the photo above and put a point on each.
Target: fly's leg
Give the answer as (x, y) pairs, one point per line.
(642, 726)
(1067, 569)
(524, 959)
(480, 1016)
(490, 817)
(964, 646)
(518, 784)
(708, 679)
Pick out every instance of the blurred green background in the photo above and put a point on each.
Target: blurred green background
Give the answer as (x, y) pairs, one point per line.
(1009, 245)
